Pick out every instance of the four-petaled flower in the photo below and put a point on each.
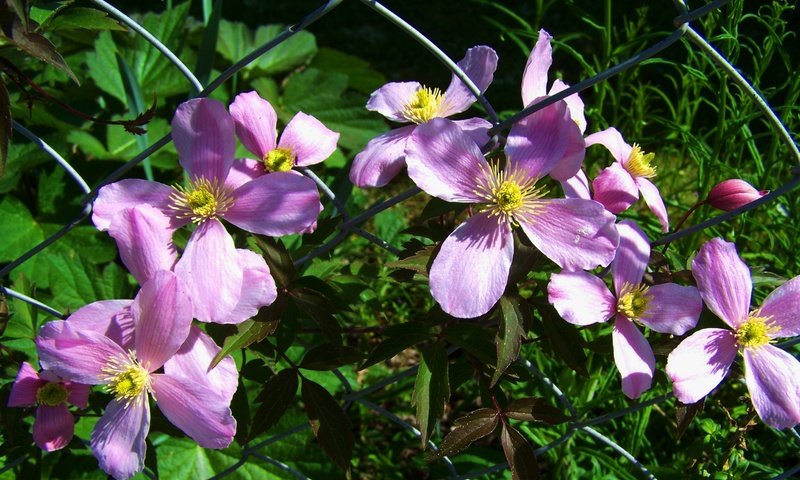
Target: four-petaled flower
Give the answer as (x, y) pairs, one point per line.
(124, 345)
(583, 299)
(470, 272)
(703, 359)
(410, 102)
(54, 425)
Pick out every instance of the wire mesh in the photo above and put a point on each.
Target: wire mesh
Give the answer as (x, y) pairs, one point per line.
(352, 225)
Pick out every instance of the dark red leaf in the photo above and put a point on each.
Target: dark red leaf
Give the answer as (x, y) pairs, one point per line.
(509, 337)
(431, 389)
(251, 331)
(276, 397)
(684, 414)
(467, 429)
(534, 409)
(519, 454)
(329, 423)
(37, 46)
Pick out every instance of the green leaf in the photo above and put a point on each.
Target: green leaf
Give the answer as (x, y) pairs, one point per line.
(82, 18)
(329, 356)
(418, 262)
(78, 281)
(275, 398)
(324, 95)
(509, 336)
(329, 424)
(431, 389)
(472, 426)
(519, 454)
(534, 409)
(236, 40)
(20, 230)
(396, 339)
(22, 323)
(360, 75)
(182, 458)
(51, 189)
(5, 125)
(103, 67)
(564, 340)
(255, 330)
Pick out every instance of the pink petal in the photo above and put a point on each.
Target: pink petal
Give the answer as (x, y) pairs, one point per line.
(570, 163)
(574, 104)
(723, 280)
(634, 358)
(243, 171)
(256, 123)
(773, 379)
(27, 383)
(118, 439)
(53, 428)
(194, 357)
(78, 394)
(111, 318)
(144, 241)
(117, 196)
(196, 409)
(203, 133)
(672, 309)
(576, 234)
(391, 99)
(581, 298)
(310, 140)
(700, 363)
(613, 141)
(76, 355)
(214, 281)
(782, 306)
(577, 186)
(615, 188)
(280, 203)
(534, 79)
(163, 314)
(632, 255)
(732, 194)
(470, 272)
(540, 140)
(445, 162)
(652, 198)
(258, 287)
(476, 128)
(382, 158)
(479, 64)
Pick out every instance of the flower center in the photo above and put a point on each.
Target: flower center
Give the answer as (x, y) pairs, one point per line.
(52, 394)
(424, 105)
(510, 194)
(279, 160)
(634, 301)
(126, 379)
(754, 332)
(203, 199)
(638, 164)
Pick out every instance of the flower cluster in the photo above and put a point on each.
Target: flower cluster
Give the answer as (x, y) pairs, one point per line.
(148, 347)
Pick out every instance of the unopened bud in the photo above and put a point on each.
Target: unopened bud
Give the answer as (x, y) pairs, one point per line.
(732, 194)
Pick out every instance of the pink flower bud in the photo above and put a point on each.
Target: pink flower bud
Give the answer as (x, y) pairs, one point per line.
(732, 194)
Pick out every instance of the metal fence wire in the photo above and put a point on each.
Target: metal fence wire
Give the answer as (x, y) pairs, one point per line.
(351, 225)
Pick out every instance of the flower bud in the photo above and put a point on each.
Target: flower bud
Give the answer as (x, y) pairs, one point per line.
(732, 194)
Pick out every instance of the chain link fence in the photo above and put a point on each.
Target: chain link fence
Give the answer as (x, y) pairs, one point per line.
(352, 225)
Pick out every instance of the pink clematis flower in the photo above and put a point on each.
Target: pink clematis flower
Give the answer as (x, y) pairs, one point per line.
(305, 140)
(277, 204)
(583, 299)
(618, 186)
(703, 359)
(732, 194)
(411, 102)
(54, 425)
(124, 345)
(534, 88)
(470, 272)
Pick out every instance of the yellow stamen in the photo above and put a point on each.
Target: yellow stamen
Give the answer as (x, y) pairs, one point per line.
(755, 332)
(639, 163)
(52, 394)
(510, 194)
(203, 199)
(126, 379)
(279, 160)
(424, 105)
(633, 301)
